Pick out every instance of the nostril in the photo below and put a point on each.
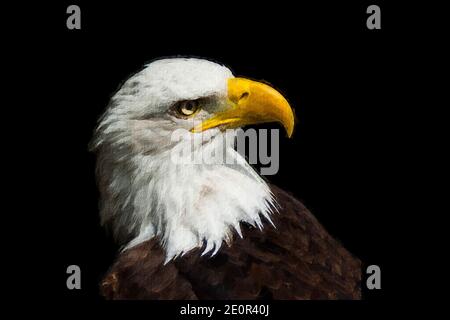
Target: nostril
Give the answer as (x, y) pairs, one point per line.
(244, 95)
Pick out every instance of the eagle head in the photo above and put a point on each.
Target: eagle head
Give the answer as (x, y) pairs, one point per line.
(163, 117)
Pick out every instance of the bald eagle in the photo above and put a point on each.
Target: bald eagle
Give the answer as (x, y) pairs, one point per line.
(207, 229)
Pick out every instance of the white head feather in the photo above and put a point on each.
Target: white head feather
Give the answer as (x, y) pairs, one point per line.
(143, 192)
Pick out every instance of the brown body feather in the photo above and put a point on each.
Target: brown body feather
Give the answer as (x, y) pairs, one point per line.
(296, 260)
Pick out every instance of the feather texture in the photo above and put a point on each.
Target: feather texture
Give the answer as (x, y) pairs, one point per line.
(296, 260)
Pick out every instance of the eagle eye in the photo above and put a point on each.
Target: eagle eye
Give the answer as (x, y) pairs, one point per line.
(187, 108)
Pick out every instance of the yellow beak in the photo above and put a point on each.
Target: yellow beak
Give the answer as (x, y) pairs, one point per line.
(251, 103)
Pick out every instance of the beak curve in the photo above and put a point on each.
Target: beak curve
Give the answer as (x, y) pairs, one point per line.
(252, 102)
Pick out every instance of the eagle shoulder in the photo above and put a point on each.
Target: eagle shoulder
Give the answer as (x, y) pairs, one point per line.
(296, 259)
(139, 273)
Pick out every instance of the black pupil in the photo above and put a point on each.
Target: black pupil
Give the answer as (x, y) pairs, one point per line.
(189, 106)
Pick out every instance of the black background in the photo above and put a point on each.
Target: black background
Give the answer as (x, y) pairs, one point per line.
(340, 77)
